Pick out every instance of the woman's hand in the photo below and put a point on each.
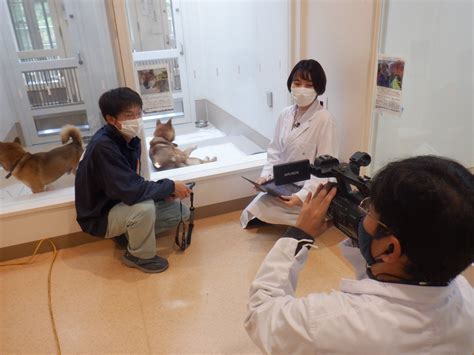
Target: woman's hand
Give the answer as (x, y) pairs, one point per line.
(312, 218)
(260, 181)
(291, 201)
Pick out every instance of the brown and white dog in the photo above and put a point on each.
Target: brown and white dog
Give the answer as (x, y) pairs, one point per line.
(40, 169)
(164, 153)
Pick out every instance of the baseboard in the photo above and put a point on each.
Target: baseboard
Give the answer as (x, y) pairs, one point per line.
(61, 242)
(79, 238)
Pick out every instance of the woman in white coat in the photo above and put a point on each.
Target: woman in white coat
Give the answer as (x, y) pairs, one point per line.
(303, 131)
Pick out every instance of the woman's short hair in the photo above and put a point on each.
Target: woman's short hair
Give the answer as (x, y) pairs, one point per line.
(311, 70)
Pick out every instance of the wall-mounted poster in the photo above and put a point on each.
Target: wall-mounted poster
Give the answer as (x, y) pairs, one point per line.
(155, 88)
(389, 85)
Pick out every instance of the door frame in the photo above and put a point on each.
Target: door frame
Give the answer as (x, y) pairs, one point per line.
(125, 57)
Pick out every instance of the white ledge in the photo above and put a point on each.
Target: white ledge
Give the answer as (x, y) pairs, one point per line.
(65, 196)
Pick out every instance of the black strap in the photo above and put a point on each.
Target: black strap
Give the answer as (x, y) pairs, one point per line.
(191, 219)
(179, 227)
(183, 234)
(13, 168)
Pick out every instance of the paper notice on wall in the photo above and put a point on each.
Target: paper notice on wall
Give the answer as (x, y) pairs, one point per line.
(389, 85)
(155, 88)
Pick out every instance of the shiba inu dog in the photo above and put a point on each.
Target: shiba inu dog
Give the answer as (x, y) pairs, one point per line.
(40, 169)
(147, 79)
(164, 153)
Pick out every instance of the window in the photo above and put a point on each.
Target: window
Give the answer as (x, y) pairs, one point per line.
(32, 24)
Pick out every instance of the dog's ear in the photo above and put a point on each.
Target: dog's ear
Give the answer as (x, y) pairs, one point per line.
(17, 140)
(169, 123)
(158, 122)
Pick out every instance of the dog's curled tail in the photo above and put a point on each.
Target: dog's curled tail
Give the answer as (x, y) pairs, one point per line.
(69, 131)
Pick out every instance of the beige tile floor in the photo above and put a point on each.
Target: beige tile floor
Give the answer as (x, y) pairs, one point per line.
(197, 306)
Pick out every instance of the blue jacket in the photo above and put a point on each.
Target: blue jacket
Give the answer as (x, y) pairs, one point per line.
(109, 174)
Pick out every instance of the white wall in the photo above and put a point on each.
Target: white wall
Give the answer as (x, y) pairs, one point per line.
(8, 115)
(96, 49)
(338, 34)
(225, 37)
(228, 34)
(436, 40)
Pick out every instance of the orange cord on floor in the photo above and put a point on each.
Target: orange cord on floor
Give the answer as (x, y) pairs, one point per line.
(50, 305)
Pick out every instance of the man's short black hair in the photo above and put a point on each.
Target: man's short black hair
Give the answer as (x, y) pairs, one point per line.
(311, 70)
(115, 101)
(428, 203)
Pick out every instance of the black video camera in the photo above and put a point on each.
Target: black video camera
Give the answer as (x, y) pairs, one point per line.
(351, 187)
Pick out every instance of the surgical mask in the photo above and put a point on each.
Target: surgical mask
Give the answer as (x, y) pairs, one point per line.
(303, 96)
(131, 128)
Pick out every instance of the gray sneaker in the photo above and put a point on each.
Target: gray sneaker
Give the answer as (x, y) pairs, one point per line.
(153, 265)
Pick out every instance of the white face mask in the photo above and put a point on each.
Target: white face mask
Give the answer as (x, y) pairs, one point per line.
(131, 128)
(303, 96)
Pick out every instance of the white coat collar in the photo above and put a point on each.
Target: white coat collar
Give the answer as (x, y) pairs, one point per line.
(407, 293)
(364, 285)
(353, 255)
(306, 119)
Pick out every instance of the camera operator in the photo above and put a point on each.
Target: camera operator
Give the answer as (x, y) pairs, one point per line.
(409, 297)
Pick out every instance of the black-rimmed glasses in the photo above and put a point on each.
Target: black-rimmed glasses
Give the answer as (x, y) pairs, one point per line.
(365, 207)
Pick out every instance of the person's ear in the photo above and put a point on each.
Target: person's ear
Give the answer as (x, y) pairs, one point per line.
(393, 250)
(111, 120)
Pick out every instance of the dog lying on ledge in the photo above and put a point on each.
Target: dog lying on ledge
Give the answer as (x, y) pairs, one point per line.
(164, 153)
(40, 169)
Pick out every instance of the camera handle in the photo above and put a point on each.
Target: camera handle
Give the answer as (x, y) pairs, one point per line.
(345, 176)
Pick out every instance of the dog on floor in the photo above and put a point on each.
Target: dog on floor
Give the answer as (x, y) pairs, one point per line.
(166, 155)
(40, 169)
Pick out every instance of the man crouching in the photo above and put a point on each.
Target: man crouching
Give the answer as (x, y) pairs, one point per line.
(112, 199)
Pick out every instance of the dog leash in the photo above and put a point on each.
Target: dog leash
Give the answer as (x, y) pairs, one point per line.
(181, 228)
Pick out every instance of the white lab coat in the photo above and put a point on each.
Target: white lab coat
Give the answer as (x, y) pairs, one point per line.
(364, 317)
(315, 136)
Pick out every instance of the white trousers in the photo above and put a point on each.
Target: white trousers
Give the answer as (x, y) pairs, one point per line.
(269, 209)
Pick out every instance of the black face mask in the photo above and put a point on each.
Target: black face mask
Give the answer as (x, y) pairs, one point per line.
(365, 243)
